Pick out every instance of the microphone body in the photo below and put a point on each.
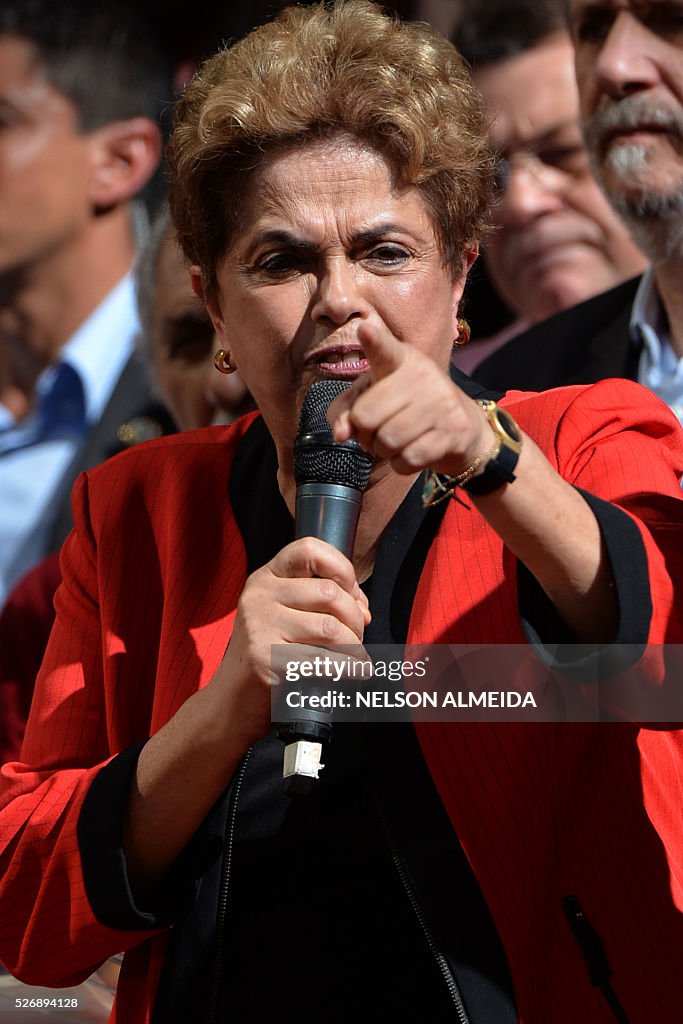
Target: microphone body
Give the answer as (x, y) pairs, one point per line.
(329, 512)
(331, 479)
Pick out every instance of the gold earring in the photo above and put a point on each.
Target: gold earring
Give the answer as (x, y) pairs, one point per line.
(223, 361)
(464, 332)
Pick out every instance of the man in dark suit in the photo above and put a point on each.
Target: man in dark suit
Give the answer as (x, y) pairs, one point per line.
(581, 345)
(629, 66)
(81, 92)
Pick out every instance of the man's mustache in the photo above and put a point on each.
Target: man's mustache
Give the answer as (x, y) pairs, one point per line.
(629, 114)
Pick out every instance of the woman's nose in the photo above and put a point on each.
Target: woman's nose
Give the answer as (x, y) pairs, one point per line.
(337, 296)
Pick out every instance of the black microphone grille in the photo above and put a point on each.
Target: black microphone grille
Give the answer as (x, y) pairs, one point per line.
(333, 463)
(317, 400)
(318, 458)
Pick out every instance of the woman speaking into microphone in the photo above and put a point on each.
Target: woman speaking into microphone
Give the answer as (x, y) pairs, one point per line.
(330, 178)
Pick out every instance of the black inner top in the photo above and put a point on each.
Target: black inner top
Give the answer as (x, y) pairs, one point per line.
(330, 874)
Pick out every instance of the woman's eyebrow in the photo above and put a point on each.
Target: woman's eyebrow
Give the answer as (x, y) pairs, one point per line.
(379, 231)
(280, 236)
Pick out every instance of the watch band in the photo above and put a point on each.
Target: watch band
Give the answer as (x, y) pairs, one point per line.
(500, 469)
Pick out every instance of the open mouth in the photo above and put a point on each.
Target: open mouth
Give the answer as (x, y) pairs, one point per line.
(341, 362)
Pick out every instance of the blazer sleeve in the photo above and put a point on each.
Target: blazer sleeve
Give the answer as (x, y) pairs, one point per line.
(623, 449)
(49, 934)
(619, 442)
(633, 459)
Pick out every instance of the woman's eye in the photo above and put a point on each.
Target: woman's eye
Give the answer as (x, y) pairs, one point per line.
(388, 254)
(280, 263)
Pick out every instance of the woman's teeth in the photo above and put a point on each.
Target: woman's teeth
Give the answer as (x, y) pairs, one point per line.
(343, 357)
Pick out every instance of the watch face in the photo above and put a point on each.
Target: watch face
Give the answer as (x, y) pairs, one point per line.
(509, 426)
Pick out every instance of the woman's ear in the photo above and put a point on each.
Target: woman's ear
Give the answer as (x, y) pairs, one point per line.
(210, 299)
(469, 255)
(125, 155)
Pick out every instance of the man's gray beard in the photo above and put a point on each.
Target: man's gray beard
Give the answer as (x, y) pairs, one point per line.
(655, 219)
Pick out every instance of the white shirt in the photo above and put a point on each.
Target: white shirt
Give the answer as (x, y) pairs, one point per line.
(35, 457)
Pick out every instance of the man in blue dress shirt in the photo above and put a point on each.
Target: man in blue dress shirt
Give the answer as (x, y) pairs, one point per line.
(81, 91)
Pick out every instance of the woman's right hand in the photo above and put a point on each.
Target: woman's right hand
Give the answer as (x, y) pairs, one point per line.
(308, 594)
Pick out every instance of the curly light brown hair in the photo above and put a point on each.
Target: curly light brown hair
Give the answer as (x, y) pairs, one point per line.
(336, 68)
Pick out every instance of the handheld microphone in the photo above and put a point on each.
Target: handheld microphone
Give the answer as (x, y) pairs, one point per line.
(331, 478)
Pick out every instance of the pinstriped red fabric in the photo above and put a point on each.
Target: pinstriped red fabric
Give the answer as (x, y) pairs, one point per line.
(151, 580)
(25, 624)
(547, 811)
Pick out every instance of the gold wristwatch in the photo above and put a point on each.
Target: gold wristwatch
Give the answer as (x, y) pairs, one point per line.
(499, 469)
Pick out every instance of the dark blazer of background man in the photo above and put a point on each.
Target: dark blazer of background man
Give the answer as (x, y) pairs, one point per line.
(582, 345)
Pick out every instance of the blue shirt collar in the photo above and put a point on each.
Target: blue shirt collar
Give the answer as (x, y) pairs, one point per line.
(97, 351)
(659, 368)
(102, 345)
(649, 323)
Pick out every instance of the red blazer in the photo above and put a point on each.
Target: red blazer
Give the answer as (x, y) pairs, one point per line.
(152, 576)
(25, 624)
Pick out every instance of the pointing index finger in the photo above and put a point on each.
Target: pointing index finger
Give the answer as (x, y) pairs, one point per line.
(385, 354)
(382, 350)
